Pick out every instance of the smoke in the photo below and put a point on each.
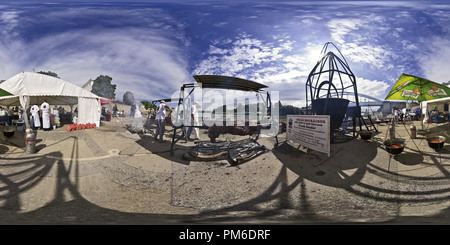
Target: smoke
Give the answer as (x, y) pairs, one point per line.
(136, 125)
(135, 122)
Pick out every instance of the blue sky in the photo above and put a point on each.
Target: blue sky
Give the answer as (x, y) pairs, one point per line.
(152, 48)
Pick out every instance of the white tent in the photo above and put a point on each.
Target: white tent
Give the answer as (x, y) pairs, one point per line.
(29, 88)
(430, 105)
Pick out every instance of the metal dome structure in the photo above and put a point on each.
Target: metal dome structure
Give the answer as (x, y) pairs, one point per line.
(328, 82)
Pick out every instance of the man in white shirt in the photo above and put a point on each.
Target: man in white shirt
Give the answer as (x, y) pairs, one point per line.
(194, 121)
(160, 120)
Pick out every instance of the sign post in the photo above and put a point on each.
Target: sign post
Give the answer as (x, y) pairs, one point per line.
(310, 131)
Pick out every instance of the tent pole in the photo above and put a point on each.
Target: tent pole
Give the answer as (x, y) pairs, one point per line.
(421, 100)
(421, 115)
(25, 117)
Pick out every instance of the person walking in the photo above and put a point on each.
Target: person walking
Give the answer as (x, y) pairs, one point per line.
(160, 120)
(396, 116)
(115, 110)
(194, 122)
(132, 110)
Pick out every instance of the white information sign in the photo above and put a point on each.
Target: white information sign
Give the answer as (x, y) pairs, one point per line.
(309, 131)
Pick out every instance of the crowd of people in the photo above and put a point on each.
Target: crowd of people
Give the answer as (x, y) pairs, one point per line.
(44, 116)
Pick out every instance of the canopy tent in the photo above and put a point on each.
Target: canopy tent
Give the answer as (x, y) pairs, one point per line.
(413, 88)
(4, 93)
(105, 101)
(439, 104)
(29, 88)
(409, 87)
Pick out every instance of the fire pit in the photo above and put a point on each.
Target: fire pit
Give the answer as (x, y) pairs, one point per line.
(436, 142)
(365, 135)
(8, 132)
(214, 131)
(394, 146)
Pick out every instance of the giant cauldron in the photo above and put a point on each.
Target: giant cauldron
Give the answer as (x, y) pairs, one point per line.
(335, 107)
(328, 82)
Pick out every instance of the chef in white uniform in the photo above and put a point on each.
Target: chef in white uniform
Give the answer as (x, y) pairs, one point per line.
(34, 118)
(194, 122)
(45, 108)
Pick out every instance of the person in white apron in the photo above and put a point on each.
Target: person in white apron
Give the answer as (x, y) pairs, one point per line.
(45, 108)
(34, 118)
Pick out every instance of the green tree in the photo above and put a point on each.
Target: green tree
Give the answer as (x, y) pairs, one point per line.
(288, 110)
(148, 104)
(50, 73)
(103, 87)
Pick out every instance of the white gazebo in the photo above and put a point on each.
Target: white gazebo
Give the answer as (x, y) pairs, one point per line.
(29, 88)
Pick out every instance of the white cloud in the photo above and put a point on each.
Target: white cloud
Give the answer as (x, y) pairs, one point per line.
(148, 61)
(372, 88)
(408, 45)
(359, 38)
(341, 27)
(9, 19)
(145, 70)
(239, 56)
(220, 24)
(435, 63)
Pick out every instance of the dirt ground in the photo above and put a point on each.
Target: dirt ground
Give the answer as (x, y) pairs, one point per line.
(109, 175)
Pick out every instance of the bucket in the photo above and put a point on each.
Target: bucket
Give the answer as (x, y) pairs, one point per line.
(20, 125)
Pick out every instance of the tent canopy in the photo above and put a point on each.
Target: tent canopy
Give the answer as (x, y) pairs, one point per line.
(414, 88)
(225, 82)
(105, 101)
(29, 88)
(4, 93)
(40, 87)
(429, 105)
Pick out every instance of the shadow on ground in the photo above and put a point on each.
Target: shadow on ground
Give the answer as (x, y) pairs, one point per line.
(283, 200)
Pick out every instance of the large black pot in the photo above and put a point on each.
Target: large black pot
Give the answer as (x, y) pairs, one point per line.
(335, 107)
(394, 146)
(365, 135)
(8, 132)
(436, 142)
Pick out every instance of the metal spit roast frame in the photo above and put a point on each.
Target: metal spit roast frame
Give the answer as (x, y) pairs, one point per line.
(214, 82)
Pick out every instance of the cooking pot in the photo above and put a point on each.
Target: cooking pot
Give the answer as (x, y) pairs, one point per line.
(436, 142)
